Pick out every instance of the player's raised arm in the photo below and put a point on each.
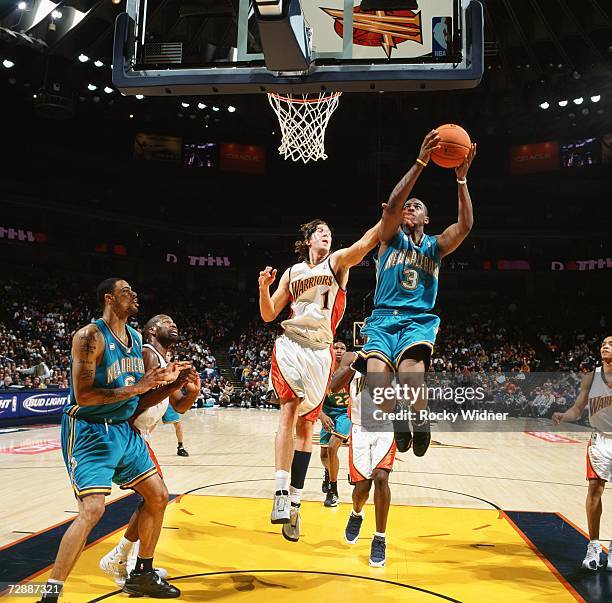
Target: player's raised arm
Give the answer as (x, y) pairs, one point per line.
(575, 412)
(453, 236)
(343, 374)
(87, 351)
(392, 213)
(271, 306)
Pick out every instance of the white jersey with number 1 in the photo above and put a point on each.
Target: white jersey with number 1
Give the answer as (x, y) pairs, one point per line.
(317, 304)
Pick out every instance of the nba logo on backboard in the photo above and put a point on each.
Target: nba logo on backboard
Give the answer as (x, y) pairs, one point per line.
(442, 36)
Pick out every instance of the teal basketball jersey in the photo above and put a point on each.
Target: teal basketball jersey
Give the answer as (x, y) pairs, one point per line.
(407, 274)
(122, 365)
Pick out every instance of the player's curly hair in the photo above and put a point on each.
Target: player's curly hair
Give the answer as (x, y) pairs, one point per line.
(301, 246)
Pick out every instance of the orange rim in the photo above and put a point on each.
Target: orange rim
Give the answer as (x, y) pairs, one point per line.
(302, 101)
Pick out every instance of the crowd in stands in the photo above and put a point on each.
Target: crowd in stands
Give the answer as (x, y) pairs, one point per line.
(37, 321)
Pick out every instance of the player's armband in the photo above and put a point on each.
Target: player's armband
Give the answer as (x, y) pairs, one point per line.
(360, 364)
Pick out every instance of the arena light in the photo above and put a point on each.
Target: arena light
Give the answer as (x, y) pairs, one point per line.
(56, 14)
(98, 63)
(544, 105)
(91, 87)
(578, 101)
(108, 89)
(8, 63)
(596, 98)
(139, 96)
(231, 109)
(185, 105)
(215, 108)
(201, 106)
(562, 103)
(22, 6)
(83, 58)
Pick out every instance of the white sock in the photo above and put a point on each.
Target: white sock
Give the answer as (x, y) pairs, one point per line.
(358, 513)
(282, 478)
(296, 495)
(380, 534)
(124, 547)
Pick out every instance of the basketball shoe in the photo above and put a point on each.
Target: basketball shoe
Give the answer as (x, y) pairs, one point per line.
(378, 552)
(331, 500)
(421, 438)
(280, 507)
(133, 556)
(325, 484)
(149, 584)
(115, 566)
(353, 527)
(594, 558)
(291, 530)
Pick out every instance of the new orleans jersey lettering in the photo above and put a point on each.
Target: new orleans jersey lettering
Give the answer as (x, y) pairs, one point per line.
(123, 366)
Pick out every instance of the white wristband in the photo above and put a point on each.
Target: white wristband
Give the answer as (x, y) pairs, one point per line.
(464, 181)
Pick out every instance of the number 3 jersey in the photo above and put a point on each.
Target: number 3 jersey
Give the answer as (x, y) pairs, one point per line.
(317, 304)
(407, 274)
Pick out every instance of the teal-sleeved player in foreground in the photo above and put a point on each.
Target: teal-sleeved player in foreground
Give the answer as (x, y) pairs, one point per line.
(401, 332)
(107, 382)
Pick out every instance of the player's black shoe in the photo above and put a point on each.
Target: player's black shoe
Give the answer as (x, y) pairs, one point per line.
(403, 439)
(331, 500)
(180, 451)
(325, 484)
(421, 437)
(149, 584)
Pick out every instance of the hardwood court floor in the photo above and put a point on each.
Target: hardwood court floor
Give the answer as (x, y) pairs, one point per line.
(446, 534)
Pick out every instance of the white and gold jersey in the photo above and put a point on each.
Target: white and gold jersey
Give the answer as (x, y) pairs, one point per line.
(317, 304)
(148, 419)
(600, 402)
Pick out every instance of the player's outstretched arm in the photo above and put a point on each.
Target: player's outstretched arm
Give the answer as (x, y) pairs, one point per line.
(453, 236)
(271, 306)
(343, 374)
(392, 213)
(351, 256)
(575, 412)
(87, 352)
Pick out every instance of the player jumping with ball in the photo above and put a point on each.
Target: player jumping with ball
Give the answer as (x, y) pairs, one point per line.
(402, 331)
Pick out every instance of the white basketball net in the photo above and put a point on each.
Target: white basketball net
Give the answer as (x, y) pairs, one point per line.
(303, 119)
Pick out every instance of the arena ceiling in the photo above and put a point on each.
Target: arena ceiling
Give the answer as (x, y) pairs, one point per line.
(536, 51)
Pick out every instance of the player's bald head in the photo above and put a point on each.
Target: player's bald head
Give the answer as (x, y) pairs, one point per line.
(151, 325)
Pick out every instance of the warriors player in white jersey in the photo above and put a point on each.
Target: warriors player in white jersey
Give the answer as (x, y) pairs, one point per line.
(371, 457)
(596, 392)
(302, 359)
(161, 335)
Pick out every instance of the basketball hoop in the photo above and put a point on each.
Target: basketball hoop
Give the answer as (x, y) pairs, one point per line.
(303, 119)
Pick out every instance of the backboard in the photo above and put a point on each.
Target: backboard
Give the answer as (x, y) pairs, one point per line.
(436, 46)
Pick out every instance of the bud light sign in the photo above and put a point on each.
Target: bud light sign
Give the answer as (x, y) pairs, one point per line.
(44, 404)
(32, 403)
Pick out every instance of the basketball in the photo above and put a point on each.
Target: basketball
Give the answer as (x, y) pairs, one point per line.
(455, 144)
